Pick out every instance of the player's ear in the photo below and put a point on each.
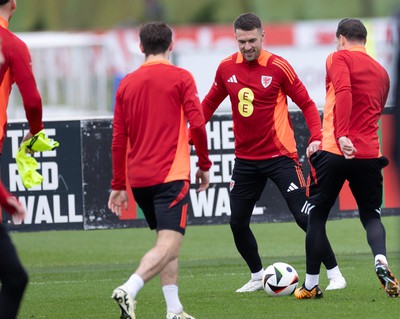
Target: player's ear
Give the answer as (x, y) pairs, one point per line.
(343, 41)
(141, 47)
(171, 46)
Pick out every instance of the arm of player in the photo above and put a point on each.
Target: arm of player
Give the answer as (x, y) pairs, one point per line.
(347, 147)
(21, 70)
(312, 148)
(339, 74)
(202, 178)
(12, 205)
(117, 201)
(197, 131)
(215, 96)
(119, 146)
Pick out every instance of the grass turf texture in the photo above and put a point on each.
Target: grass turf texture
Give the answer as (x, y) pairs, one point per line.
(72, 273)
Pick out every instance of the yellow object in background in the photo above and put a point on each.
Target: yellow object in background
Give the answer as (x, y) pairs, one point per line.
(27, 164)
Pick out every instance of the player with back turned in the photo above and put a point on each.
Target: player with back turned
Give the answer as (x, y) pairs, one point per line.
(153, 105)
(357, 88)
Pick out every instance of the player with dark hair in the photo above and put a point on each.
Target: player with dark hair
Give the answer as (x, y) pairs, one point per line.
(153, 105)
(357, 88)
(258, 83)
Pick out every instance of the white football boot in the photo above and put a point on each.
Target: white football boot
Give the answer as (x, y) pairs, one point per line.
(252, 285)
(125, 302)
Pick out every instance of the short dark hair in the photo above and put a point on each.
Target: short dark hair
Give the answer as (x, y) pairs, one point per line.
(352, 29)
(155, 37)
(247, 22)
(3, 2)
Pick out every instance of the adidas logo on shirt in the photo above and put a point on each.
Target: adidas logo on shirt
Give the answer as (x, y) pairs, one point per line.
(292, 187)
(232, 79)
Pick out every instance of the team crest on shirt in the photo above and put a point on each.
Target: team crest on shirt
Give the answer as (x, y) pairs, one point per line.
(266, 80)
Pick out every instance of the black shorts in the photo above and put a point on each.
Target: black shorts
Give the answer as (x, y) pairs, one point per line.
(165, 205)
(330, 171)
(249, 177)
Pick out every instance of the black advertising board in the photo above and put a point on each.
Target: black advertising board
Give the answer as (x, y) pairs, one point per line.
(57, 202)
(77, 177)
(97, 174)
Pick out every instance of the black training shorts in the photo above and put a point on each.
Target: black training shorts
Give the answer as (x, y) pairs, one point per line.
(249, 177)
(164, 205)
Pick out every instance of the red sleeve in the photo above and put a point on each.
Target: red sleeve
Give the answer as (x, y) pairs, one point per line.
(3, 199)
(119, 146)
(215, 96)
(21, 70)
(199, 138)
(339, 74)
(313, 121)
(296, 90)
(194, 114)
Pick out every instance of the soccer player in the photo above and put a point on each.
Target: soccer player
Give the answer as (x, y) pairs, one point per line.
(258, 83)
(153, 105)
(17, 68)
(13, 276)
(357, 87)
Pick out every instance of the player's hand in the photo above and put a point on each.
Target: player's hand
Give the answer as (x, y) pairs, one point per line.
(202, 178)
(19, 211)
(27, 137)
(117, 201)
(312, 148)
(347, 147)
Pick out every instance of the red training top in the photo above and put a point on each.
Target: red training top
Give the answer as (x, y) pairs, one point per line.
(357, 87)
(5, 89)
(18, 64)
(258, 92)
(153, 105)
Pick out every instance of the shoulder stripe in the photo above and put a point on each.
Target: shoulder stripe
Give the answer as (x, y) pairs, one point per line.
(286, 69)
(329, 60)
(229, 58)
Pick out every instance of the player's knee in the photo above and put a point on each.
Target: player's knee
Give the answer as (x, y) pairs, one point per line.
(369, 215)
(322, 200)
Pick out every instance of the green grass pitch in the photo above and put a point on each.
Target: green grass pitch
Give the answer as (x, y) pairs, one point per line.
(72, 273)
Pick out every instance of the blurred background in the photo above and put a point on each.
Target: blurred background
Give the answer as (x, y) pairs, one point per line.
(56, 15)
(82, 48)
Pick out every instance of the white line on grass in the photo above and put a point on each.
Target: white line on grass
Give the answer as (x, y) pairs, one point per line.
(66, 282)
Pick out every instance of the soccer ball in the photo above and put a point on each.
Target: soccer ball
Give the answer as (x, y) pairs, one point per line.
(280, 279)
